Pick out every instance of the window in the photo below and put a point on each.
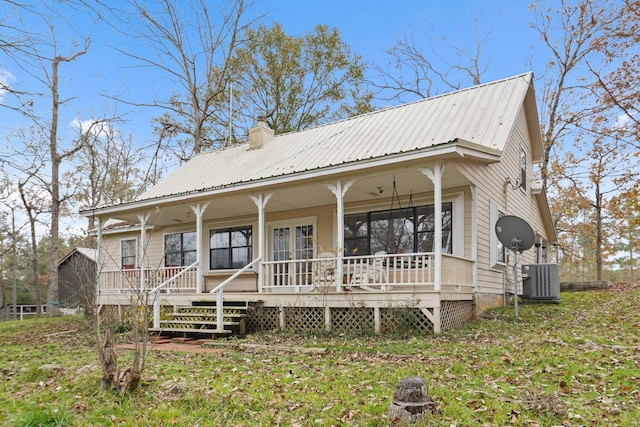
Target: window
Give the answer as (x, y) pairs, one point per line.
(128, 253)
(180, 249)
(230, 248)
(523, 169)
(400, 230)
(497, 255)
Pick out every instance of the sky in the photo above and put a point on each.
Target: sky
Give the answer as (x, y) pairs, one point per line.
(369, 27)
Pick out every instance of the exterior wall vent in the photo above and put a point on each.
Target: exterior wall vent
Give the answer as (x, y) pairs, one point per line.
(541, 282)
(536, 186)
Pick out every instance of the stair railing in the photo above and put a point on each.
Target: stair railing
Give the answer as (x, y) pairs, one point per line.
(156, 293)
(219, 291)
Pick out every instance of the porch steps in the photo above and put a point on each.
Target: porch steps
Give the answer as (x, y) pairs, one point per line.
(201, 318)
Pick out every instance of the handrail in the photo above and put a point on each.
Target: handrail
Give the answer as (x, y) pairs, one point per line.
(219, 290)
(234, 275)
(172, 278)
(156, 293)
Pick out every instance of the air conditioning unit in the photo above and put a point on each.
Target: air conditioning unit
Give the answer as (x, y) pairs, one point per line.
(541, 282)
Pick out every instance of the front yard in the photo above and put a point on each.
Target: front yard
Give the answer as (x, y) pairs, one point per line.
(572, 364)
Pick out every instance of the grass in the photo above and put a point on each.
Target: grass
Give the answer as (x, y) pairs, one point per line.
(572, 364)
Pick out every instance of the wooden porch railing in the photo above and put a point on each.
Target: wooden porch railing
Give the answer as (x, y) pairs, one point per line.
(129, 280)
(372, 272)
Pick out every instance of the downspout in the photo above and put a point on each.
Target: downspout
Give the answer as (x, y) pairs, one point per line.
(261, 201)
(339, 190)
(199, 211)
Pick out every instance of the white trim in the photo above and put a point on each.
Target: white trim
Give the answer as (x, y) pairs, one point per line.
(254, 245)
(291, 223)
(495, 209)
(137, 251)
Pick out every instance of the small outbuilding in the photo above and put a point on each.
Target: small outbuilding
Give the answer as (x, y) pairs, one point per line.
(77, 278)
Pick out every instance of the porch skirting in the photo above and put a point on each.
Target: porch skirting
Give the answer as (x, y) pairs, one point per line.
(360, 320)
(350, 313)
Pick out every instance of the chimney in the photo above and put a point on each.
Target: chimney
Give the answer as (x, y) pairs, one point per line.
(260, 134)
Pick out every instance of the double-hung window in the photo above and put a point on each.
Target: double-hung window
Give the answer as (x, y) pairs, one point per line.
(230, 247)
(180, 249)
(128, 253)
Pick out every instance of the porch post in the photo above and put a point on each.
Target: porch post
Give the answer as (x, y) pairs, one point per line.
(98, 259)
(261, 201)
(435, 175)
(339, 190)
(143, 217)
(199, 211)
(474, 234)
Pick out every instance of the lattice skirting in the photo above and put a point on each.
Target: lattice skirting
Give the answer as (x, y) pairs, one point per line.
(454, 314)
(358, 320)
(112, 314)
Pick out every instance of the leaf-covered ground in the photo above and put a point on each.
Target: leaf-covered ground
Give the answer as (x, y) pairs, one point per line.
(572, 364)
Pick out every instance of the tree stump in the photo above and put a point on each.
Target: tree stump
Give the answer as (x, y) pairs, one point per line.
(411, 401)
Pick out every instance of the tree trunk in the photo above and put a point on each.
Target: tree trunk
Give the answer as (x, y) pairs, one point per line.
(52, 294)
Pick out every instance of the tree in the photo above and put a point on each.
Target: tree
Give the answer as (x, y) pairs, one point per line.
(586, 108)
(413, 73)
(108, 169)
(40, 56)
(198, 61)
(574, 34)
(299, 82)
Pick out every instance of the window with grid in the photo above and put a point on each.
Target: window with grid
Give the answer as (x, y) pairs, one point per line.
(180, 249)
(230, 247)
(128, 253)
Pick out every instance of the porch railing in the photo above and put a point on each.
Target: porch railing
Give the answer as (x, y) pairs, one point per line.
(457, 272)
(371, 272)
(129, 280)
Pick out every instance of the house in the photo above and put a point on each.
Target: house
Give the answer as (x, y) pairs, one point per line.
(76, 278)
(334, 226)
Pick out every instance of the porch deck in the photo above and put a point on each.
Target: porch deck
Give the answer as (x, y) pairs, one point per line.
(359, 293)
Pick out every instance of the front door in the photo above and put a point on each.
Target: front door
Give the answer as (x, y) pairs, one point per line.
(291, 246)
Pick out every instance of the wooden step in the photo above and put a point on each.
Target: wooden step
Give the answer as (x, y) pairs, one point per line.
(213, 332)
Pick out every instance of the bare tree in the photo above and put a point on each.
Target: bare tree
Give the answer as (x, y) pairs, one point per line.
(40, 56)
(573, 35)
(197, 58)
(415, 73)
(108, 170)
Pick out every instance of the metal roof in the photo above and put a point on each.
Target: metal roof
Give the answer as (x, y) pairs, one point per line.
(483, 115)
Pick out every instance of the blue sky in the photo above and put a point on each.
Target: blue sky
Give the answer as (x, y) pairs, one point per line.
(369, 27)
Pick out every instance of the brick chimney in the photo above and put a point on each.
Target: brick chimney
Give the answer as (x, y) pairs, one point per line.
(260, 134)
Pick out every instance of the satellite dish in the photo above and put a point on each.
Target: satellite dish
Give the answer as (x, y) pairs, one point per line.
(514, 233)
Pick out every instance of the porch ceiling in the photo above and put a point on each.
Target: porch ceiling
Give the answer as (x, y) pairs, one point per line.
(376, 186)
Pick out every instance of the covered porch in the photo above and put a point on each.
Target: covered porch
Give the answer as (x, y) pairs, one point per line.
(317, 267)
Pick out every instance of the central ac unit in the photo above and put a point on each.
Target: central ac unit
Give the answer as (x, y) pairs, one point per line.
(541, 282)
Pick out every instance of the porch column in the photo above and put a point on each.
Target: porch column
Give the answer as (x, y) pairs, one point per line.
(261, 201)
(474, 234)
(199, 211)
(98, 258)
(339, 190)
(435, 175)
(143, 217)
